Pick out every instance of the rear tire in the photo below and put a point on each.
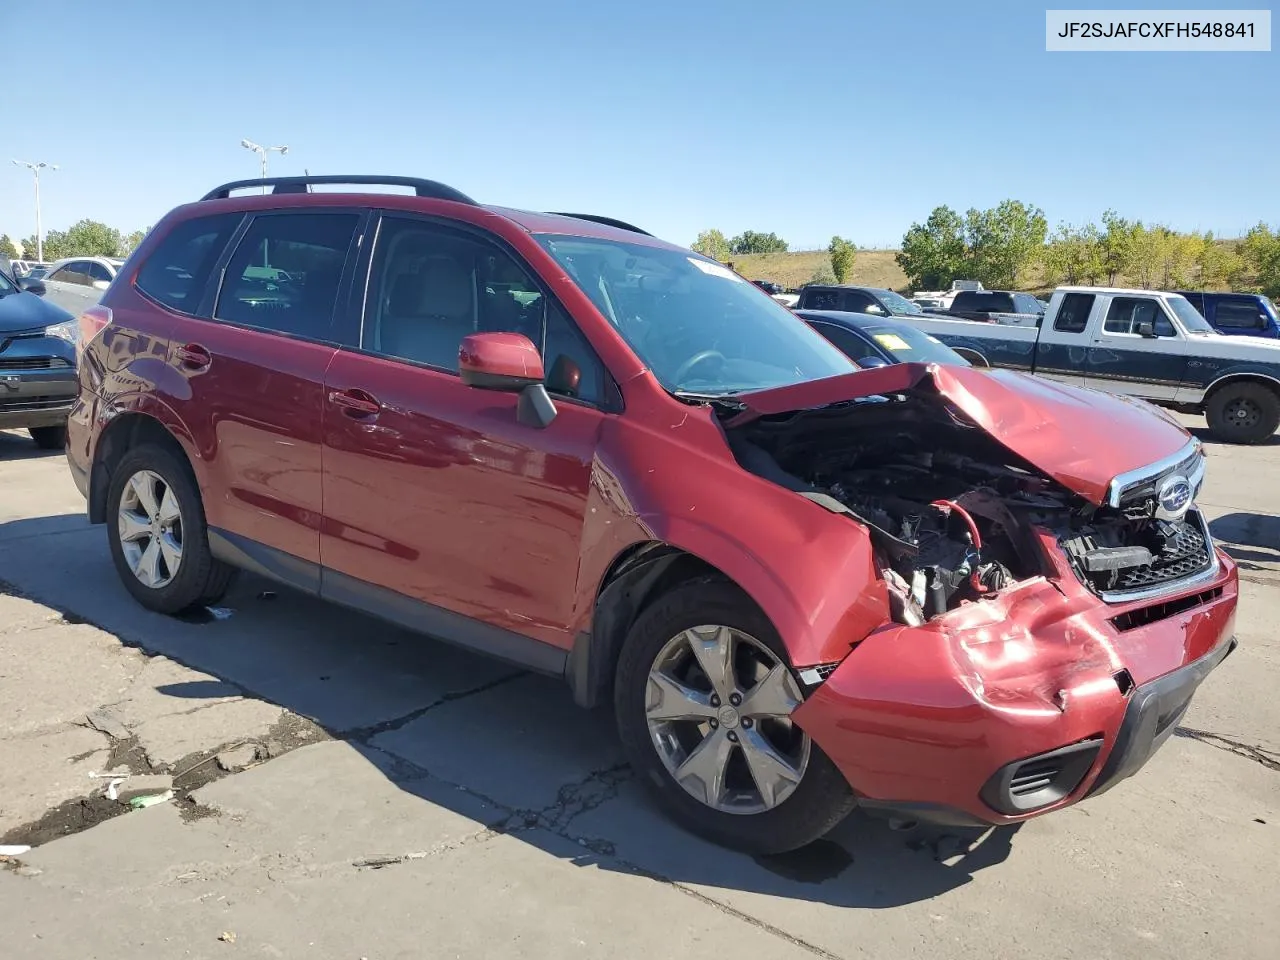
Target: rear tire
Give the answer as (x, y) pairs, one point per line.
(49, 438)
(645, 700)
(157, 533)
(1243, 413)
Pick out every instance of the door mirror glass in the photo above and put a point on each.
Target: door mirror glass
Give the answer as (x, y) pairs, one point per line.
(499, 361)
(1146, 329)
(868, 363)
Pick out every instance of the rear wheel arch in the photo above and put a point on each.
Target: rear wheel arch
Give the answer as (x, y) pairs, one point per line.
(124, 433)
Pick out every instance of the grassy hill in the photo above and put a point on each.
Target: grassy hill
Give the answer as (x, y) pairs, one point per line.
(873, 268)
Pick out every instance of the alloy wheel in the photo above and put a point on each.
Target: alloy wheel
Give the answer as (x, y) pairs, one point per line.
(718, 705)
(150, 527)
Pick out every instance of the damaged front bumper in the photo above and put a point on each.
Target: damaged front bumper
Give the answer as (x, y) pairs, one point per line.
(1021, 704)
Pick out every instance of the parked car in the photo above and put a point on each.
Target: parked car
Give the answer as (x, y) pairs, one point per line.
(37, 362)
(945, 297)
(875, 341)
(997, 306)
(561, 441)
(1238, 314)
(850, 299)
(75, 283)
(1143, 343)
(770, 287)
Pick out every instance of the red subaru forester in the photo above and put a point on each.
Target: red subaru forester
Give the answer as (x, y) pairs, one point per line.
(955, 594)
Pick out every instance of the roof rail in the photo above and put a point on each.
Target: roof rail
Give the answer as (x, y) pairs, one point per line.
(607, 221)
(423, 188)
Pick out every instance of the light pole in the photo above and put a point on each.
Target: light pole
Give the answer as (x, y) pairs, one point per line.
(262, 152)
(35, 169)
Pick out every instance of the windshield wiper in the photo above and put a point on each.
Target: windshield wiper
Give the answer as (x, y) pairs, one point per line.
(723, 402)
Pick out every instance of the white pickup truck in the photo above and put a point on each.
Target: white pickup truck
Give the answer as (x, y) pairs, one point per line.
(1144, 343)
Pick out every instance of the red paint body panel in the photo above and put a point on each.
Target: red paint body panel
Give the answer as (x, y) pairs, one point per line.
(433, 489)
(1082, 438)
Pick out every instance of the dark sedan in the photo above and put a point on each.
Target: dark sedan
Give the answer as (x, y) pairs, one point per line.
(37, 362)
(875, 341)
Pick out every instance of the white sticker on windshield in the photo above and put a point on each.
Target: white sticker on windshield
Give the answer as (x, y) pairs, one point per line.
(715, 269)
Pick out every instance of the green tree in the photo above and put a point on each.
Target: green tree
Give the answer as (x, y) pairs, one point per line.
(1073, 255)
(89, 238)
(933, 253)
(751, 241)
(823, 276)
(129, 243)
(7, 247)
(713, 244)
(843, 252)
(1118, 240)
(54, 246)
(1004, 241)
(1220, 265)
(1260, 251)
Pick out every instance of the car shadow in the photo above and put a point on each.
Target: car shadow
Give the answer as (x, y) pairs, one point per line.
(1251, 539)
(449, 727)
(17, 445)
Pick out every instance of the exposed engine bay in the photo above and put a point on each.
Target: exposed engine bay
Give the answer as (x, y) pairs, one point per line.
(954, 516)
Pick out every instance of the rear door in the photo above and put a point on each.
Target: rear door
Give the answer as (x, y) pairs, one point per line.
(254, 360)
(438, 502)
(1122, 359)
(1063, 345)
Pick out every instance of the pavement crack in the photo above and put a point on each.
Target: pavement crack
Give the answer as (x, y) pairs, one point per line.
(1257, 754)
(365, 734)
(471, 839)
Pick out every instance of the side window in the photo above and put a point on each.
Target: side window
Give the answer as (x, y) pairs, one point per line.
(98, 272)
(1073, 313)
(285, 273)
(572, 367)
(821, 299)
(848, 343)
(73, 272)
(1126, 313)
(1025, 303)
(855, 301)
(1239, 314)
(430, 287)
(176, 273)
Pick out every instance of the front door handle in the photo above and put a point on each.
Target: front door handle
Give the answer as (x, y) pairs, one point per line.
(355, 403)
(193, 356)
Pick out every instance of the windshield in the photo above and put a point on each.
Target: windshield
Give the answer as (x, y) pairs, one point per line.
(5, 285)
(898, 304)
(1189, 316)
(906, 344)
(696, 324)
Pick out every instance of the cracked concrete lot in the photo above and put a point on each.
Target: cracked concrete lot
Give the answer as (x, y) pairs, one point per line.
(343, 789)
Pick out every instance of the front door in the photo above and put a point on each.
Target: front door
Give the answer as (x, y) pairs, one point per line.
(433, 490)
(254, 365)
(1137, 350)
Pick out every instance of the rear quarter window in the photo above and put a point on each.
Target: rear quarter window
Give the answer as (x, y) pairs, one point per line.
(1073, 313)
(176, 273)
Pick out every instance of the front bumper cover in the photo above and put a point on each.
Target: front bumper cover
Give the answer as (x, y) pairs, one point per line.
(1008, 709)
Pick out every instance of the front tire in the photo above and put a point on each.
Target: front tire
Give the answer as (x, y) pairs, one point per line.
(1243, 413)
(703, 696)
(157, 534)
(49, 438)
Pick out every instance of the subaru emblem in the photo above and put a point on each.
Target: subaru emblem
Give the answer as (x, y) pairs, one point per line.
(1174, 498)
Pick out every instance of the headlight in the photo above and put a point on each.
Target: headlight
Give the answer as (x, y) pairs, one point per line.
(68, 331)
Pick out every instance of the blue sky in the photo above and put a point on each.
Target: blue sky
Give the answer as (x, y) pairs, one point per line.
(807, 118)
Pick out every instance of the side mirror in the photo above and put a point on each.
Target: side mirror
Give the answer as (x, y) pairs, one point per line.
(870, 363)
(100, 284)
(508, 363)
(565, 376)
(32, 285)
(1146, 329)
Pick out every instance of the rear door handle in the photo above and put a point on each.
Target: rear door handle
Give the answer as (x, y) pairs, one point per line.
(355, 403)
(194, 356)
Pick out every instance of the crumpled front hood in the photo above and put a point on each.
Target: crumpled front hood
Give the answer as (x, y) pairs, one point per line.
(1081, 438)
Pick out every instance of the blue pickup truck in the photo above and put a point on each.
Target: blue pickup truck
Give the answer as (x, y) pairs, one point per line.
(1143, 343)
(1238, 314)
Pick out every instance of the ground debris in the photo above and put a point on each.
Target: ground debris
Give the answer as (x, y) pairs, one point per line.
(227, 936)
(237, 758)
(105, 723)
